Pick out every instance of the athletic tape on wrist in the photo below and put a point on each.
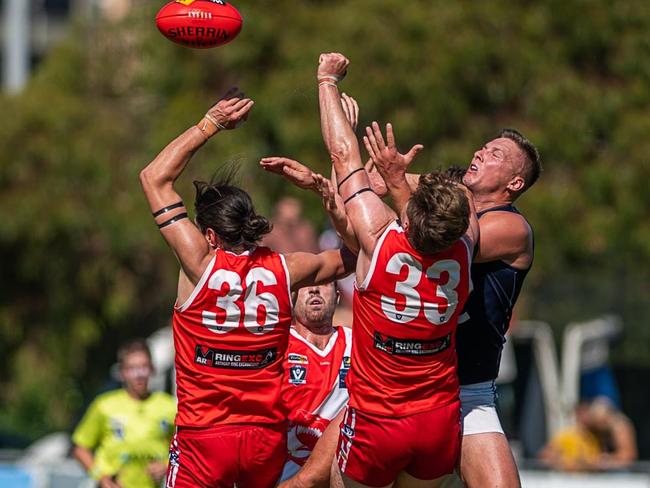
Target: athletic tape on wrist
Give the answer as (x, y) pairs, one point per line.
(214, 121)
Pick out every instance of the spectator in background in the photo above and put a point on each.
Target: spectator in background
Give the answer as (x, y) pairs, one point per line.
(291, 232)
(602, 439)
(123, 439)
(615, 434)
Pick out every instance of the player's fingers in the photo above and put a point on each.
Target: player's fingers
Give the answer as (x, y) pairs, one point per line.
(292, 173)
(390, 135)
(373, 142)
(232, 99)
(318, 181)
(378, 135)
(243, 110)
(273, 161)
(271, 168)
(414, 152)
(352, 110)
(370, 166)
(355, 108)
(331, 194)
(346, 108)
(369, 148)
(239, 104)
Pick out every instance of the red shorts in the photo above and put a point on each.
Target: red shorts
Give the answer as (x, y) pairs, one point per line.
(374, 449)
(220, 457)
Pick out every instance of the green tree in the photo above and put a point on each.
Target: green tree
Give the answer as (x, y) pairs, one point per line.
(83, 266)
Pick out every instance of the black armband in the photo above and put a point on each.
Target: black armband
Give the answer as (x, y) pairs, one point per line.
(348, 176)
(166, 209)
(357, 194)
(176, 218)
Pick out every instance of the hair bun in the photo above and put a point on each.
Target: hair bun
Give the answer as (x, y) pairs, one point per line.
(255, 227)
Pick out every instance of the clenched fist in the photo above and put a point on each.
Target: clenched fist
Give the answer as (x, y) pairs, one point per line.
(332, 66)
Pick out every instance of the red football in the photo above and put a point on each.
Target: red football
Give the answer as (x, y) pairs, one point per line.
(199, 23)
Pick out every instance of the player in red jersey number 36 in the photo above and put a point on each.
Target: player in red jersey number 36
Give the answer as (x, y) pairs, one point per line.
(231, 319)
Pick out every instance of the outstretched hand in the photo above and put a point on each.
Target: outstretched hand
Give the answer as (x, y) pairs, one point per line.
(297, 173)
(377, 183)
(389, 161)
(230, 111)
(329, 196)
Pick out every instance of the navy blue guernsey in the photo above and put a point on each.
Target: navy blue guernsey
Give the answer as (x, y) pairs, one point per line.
(482, 326)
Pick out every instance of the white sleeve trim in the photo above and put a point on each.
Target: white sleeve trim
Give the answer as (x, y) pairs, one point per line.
(199, 286)
(373, 262)
(286, 272)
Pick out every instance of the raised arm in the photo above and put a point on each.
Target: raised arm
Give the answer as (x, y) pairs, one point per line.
(368, 215)
(303, 177)
(158, 178)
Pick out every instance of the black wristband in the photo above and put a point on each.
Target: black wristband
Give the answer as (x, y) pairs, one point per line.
(357, 194)
(175, 218)
(166, 209)
(348, 176)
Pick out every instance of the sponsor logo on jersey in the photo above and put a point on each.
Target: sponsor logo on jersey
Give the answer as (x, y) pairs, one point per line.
(221, 358)
(297, 375)
(343, 372)
(294, 358)
(411, 347)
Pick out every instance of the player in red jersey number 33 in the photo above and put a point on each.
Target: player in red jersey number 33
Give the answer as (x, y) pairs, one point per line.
(402, 425)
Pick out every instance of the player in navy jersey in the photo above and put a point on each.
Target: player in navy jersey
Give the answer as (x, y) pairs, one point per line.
(499, 173)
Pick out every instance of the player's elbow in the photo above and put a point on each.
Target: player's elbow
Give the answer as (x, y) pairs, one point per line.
(149, 177)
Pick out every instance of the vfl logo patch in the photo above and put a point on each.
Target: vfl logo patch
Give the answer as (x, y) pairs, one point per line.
(347, 431)
(297, 375)
(410, 347)
(293, 358)
(343, 372)
(220, 358)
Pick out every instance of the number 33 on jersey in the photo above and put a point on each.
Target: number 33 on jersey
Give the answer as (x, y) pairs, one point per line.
(406, 312)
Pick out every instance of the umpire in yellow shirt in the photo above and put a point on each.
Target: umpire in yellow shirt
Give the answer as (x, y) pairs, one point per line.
(123, 439)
